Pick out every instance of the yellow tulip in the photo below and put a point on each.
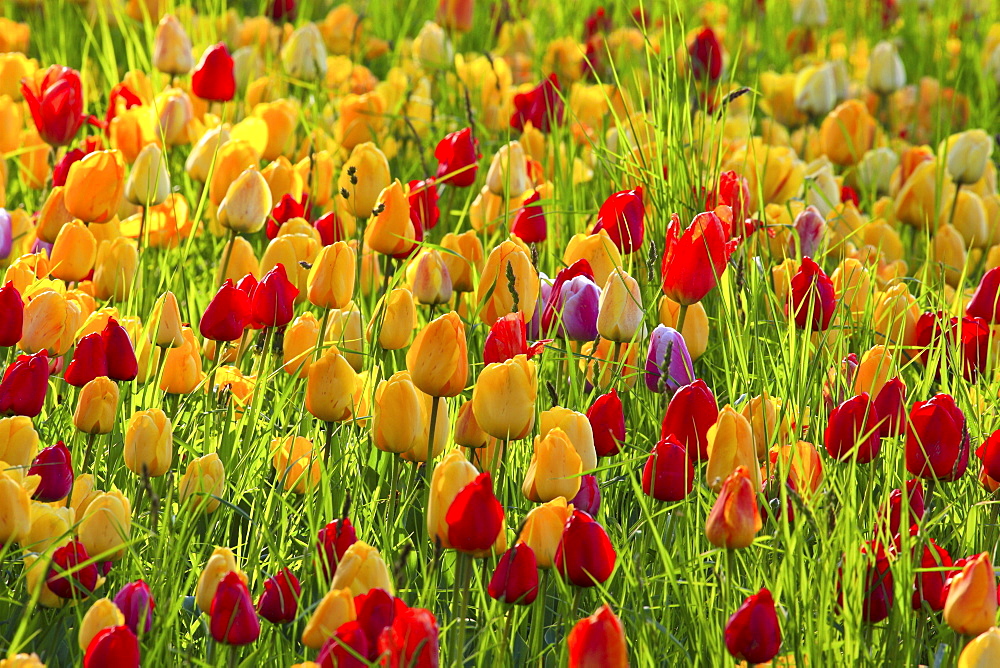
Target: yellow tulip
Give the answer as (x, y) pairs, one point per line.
(97, 406)
(296, 463)
(598, 250)
(330, 387)
(543, 529)
(619, 315)
(221, 563)
(204, 482)
(102, 614)
(149, 445)
(149, 182)
(577, 428)
(364, 176)
(554, 470)
(362, 569)
(450, 476)
(730, 444)
(395, 318)
(438, 359)
(18, 441)
(494, 293)
(335, 609)
(504, 398)
(247, 203)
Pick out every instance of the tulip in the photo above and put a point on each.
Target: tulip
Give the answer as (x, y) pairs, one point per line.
(588, 499)
(361, 570)
(101, 615)
(182, 367)
(968, 153)
(105, 527)
(694, 260)
(507, 339)
(752, 633)
(95, 185)
(204, 480)
(55, 98)
(399, 318)
(542, 106)
(598, 250)
(852, 430)
(665, 374)
(167, 318)
(423, 198)
(332, 277)
(984, 303)
(364, 176)
(74, 252)
(812, 300)
(115, 267)
(397, 416)
(114, 646)
(886, 73)
(705, 55)
(515, 580)
(466, 255)
(296, 463)
(457, 155)
(54, 465)
(336, 608)
(213, 78)
(816, 89)
(90, 360)
(916, 201)
(172, 47)
(137, 605)
(735, 519)
(475, 517)
(148, 443)
(279, 603)
(691, 412)
(983, 651)
(392, 230)
(431, 281)
(903, 509)
(15, 522)
(303, 54)
(50, 322)
(97, 406)
(508, 173)
(542, 530)
(620, 310)
(577, 428)
(50, 526)
(931, 586)
(272, 300)
(585, 556)
(438, 358)
(529, 224)
(219, 565)
(68, 577)
(607, 420)
(247, 203)
(122, 363)
(332, 543)
(598, 641)
(299, 343)
(847, 133)
(233, 618)
(330, 387)
(669, 473)
(11, 315)
(503, 398)
(18, 441)
(149, 183)
(971, 606)
(227, 315)
(343, 648)
(411, 640)
(574, 309)
(730, 445)
(937, 441)
(555, 468)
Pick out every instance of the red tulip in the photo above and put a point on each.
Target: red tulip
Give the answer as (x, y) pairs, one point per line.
(411, 641)
(233, 620)
(588, 499)
(585, 556)
(852, 430)
(330, 228)
(227, 315)
(693, 260)
(279, 603)
(90, 360)
(332, 542)
(529, 222)
(121, 362)
(937, 441)
(114, 646)
(669, 473)
(515, 579)
(733, 191)
(273, 299)
(542, 106)
(70, 576)
(902, 510)
(706, 56)
(989, 452)
(281, 11)
(811, 299)
(849, 194)
(691, 412)
(55, 98)
(752, 632)
(890, 407)
(975, 337)
(137, 604)
(607, 419)
(343, 649)
(507, 339)
(985, 302)
(596, 24)
(930, 586)
(22, 390)
(11, 315)
(376, 610)
(55, 466)
(119, 92)
(475, 517)
(213, 78)
(878, 592)
(933, 329)
(622, 216)
(423, 199)
(284, 211)
(457, 155)
(598, 641)
(61, 170)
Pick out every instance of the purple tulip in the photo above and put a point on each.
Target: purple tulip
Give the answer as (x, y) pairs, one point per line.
(588, 499)
(6, 234)
(534, 326)
(809, 226)
(136, 603)
(680, 369)
(55, 467)
(576, 314)
(40, 245)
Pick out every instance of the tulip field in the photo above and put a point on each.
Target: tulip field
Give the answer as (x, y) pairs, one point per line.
(499, 333)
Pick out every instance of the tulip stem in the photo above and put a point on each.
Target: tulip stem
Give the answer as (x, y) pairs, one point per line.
(538, 620)
(681, 317)
(329, 443)
(954, 204)
(463, 573)
(88, 453)
(228, 257)
(142, 227)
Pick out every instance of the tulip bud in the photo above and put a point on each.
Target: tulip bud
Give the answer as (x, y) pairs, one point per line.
(752, 633)
(937, 440)
(585, 556)
(172, 47)
(515, 580)
(149, 443)
(136, 604)
(247, 203)
(95, 185)
(735, 519)
(457, 155)
(213, 78)
(332, 277)
(97, 407)
(54, 467)
(554, 470)
(438, 358)
(971, 606)
(886, 73)
(149, 183)
(968, 153)
(431, 280)
(335, 609)
(730, 445)
(852, 430)
(984, 650)
(18, 441)
(73, 252)
(204, 482)
(304, 55)
(669, 472)
(503, 398)
(691, 412)
(101, 615)
(364, 176)
(598, 640)
(360, 570)
(330, 387)
(510, 258)
(816, 89)
(279, 603)
(68, 576)
(296, 463)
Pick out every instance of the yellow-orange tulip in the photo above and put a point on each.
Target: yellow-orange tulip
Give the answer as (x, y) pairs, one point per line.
(95, 185)
(330, 387)
(577, 428)
(299, 344)
(494, 292)
(172, 52)
(105, 527)
(362, 569)
(101, 615)
(166, 316)
(74, 252)
(598, 250)
(296, 463)
(395, 319)
(734, 519)
(332, 277)
(438, 359)
(452, 474)
(18, 440)
(971, 606)
(182, 371)
(504, 398)
(543, 529)
(730, 444)
(619, 315)
(391, 230)
(554, 470)
(847, 133)
(114, 269)
(363, 177)
(149, 443)
(466, 257)
(97, 406)
(335, 609)
(219, 565)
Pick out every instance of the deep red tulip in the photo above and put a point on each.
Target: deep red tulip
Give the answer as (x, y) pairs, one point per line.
(411, 640)
(985, 302)
(588, 499)
(233, 620)
(849, 194)
(599, 22)
(507, 339)
(55, 98)
(343, 649)
(330, 228)
(585, 556)
(114, 646)
(281, 11)
(811, 299)
(552, 313)
(279, 603)
(273, 299)
(607, 419)
(22, 390)
(929, 586)
(669, 472)
(903, 509)
(68, 577)
(61, 170)
(752, 632)
(55, 466)
(121, 92)
(515, 579)
(332, 542)
(598, 641)
(542, 105)
(457, 155)
(890, 407)
(878, 592)
(11, 315)
(90, 360)
(227, 315)
(974, 335)
(989, 453)
(933, 330)
(122, 364)
(529, 222)
(376, 610)
(937, 441)
(475, 517)
(213, 78)
(623, 217)
(733, 191)
(423, 199)
(706, 56)
(852, 430)
(695, 258)
(691, 412)
(285, 210)
(137, 605)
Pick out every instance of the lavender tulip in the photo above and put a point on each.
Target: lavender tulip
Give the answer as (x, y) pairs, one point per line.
(577, 311)
(534, 326)
(6, 234)
(809, 226)
(668, 375)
